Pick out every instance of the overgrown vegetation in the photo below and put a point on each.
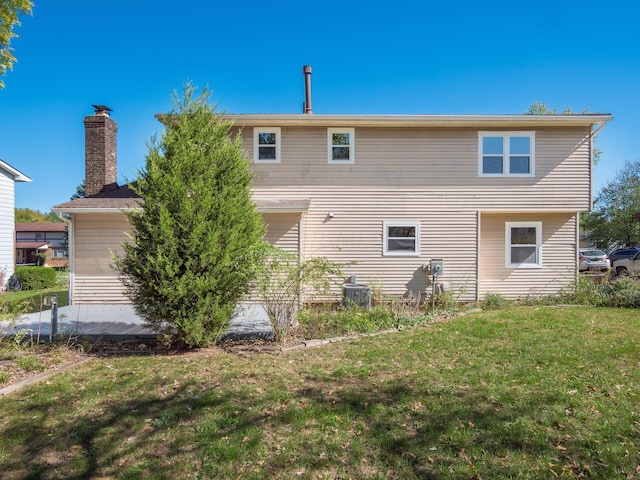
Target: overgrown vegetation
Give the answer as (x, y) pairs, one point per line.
(284, 279)
(196, 235)
(607, 291)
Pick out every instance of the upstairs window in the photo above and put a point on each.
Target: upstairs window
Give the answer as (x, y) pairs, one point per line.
(401, 238)
(506, 154)
(266, 145)
(341, 145)
(524, 244)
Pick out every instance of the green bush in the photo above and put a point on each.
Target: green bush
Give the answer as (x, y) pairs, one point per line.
(36, 278)
(493, 301)
(41, 258)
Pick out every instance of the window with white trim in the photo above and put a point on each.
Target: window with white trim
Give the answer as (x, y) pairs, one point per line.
(266, 145)
(524, 244)
(341, 146)
(506, 154)
(60, 253)
(401, 238)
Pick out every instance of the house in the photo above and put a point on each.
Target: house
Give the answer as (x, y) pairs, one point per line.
(8, 177)
(495, 198)
(47, 238)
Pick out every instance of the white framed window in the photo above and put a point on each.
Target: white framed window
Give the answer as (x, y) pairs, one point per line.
(506, 154)
(401, 238)
(524, 244)
(266, 145)
(341, 145)
(60, 253)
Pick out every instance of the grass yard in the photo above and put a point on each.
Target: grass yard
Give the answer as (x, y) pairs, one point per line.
(30, 301)
(534, 392)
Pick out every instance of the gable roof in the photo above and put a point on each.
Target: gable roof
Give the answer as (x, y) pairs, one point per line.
(41, 227)
(124, 198)
(116, 200)
(17, 175)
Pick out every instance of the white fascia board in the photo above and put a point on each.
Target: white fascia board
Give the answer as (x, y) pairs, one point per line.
(17, 175)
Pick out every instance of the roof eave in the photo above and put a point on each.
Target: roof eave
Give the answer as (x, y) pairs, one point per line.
(72, 210)
(434, 121)
(17, 175)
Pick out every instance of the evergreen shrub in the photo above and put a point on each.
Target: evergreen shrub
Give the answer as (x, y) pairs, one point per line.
(36, 278)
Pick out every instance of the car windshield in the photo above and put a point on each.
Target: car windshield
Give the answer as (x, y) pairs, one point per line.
(593, 253)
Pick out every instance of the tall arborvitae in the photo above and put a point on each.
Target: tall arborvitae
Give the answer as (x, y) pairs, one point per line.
(193, 248)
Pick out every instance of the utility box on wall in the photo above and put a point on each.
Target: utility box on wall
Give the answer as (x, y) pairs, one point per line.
(436, 267)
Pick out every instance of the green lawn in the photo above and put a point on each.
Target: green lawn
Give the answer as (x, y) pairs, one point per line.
(33, 300)
(537, 392)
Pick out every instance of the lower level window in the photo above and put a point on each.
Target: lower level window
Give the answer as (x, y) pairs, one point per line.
(524, 244)
(60, 254)
(401, 238)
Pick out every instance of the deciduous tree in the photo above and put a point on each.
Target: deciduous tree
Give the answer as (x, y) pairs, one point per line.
(10, 10)
(27, 215)
(197, 233)
(614, 219)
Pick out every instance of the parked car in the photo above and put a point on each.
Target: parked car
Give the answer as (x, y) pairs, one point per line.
(627, 252)
(592, 259)
(627, 266)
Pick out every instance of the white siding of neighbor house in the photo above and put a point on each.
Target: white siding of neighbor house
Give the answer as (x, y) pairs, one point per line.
(7, 226)
(558, 256)
(94, 237)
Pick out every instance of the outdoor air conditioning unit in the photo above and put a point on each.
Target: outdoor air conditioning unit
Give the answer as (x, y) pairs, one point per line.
(356, 295)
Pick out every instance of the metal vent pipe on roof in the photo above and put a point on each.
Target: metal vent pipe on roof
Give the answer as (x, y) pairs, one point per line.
(307, 89)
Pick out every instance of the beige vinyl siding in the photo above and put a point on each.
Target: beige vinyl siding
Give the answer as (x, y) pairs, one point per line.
(95, 236)
(558, 256)
(355, 234)
(283, 230)
(443, 160)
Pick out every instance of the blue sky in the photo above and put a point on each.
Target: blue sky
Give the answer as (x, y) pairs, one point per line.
(412, 57)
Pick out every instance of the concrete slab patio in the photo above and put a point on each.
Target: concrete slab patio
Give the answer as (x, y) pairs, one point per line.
(249, 321)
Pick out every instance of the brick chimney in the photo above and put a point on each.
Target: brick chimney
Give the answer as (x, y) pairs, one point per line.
(100, 151)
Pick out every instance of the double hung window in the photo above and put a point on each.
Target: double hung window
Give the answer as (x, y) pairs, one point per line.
(401, 238)
(506, 153)
(266, 145)
(524, 244)
(341, 146)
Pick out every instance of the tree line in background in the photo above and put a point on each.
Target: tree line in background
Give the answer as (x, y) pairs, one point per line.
(614, 220)
(27, 215)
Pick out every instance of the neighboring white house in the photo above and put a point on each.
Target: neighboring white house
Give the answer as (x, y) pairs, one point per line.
(8, 177)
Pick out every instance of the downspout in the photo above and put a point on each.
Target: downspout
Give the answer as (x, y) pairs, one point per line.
(478, 229)
(592, 135)
(71, 262)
